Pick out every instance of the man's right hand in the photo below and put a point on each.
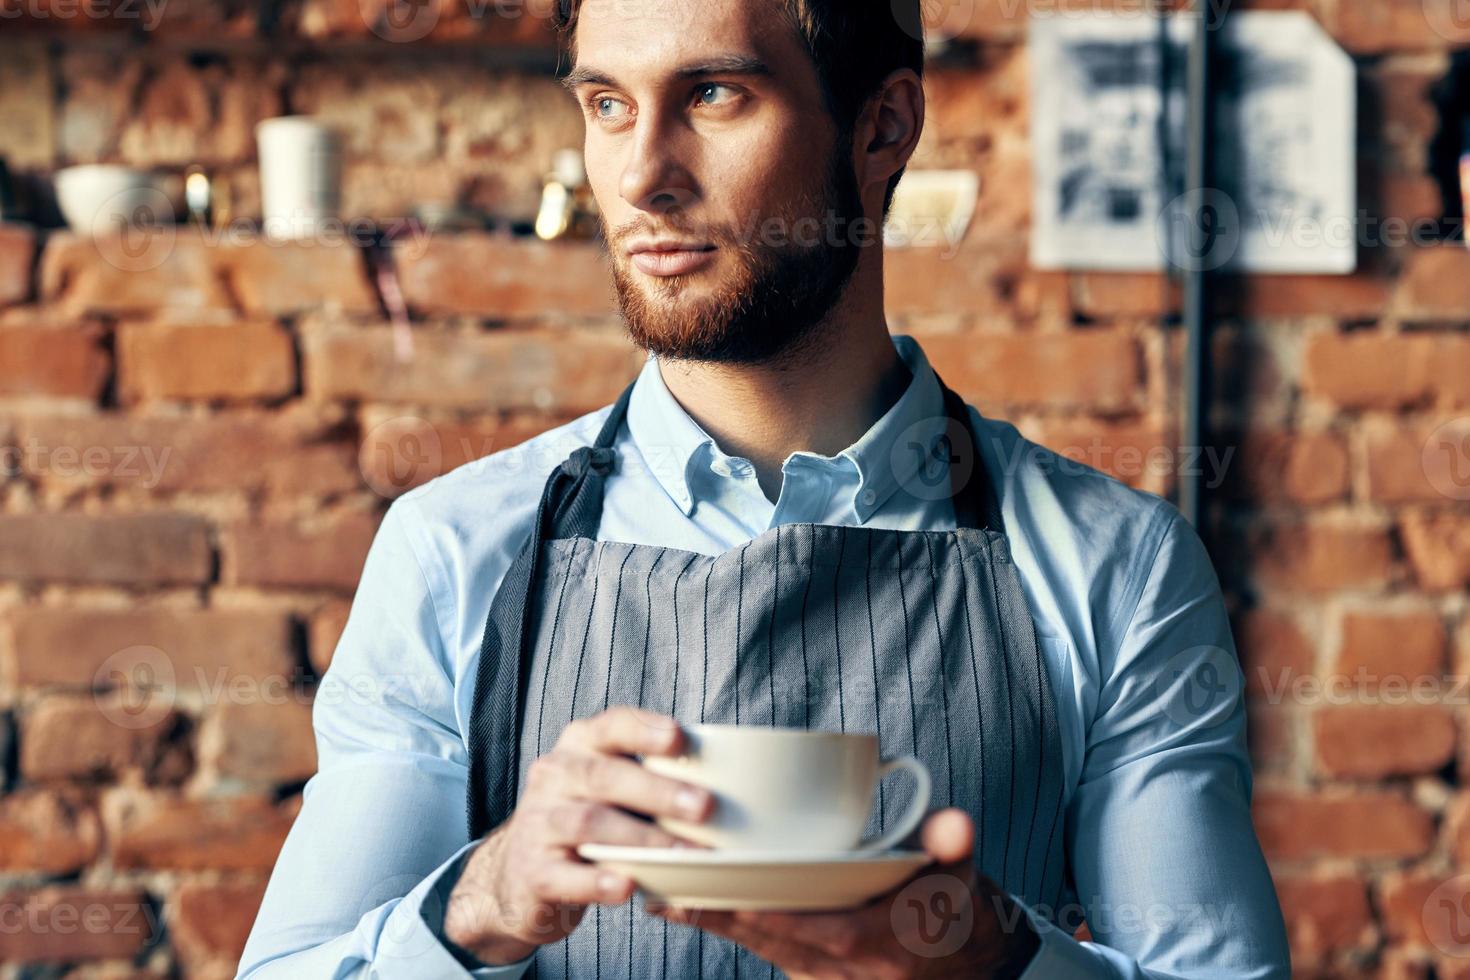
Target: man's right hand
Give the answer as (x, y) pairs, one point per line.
(524, 886)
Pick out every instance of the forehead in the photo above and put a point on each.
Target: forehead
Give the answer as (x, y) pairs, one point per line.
(648, 39)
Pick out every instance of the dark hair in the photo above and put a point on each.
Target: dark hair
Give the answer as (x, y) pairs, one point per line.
(854, 44)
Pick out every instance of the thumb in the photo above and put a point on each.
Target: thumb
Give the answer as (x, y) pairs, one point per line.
(949, 836)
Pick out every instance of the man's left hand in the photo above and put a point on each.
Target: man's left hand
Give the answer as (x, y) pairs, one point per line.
(947, 921)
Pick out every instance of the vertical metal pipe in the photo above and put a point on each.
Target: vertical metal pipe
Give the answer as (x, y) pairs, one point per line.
(1195, 373)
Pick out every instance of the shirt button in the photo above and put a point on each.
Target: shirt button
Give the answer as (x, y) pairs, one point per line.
(720, 466)
(868, 497)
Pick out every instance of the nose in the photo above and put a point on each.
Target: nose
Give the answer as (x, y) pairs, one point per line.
(655, 178)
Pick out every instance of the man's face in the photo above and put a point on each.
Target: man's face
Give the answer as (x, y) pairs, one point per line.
(728, 200)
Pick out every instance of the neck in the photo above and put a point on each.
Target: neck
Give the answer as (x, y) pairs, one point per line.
(821, 398)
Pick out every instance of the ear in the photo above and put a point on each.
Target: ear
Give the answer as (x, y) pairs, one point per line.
(889, 127)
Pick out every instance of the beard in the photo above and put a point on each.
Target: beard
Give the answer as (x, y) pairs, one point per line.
(775, 298)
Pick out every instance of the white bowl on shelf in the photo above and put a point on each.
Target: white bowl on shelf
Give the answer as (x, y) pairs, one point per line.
(101, 198)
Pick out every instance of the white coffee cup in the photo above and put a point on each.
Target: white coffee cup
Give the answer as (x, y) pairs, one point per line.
(788, 789)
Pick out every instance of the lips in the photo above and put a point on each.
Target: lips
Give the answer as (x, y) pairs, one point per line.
(670, 258)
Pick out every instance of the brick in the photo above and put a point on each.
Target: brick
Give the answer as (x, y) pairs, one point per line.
(259, 741)
(1108, 294)
(1274, 652)
(67, 923)
(279, 555)
(1376, 741)
(1457, 827)
(1288, 467)
(169, 268)
(1378, 370)
(400, 452)
(1358, 296)
(131, 549)
(1438, 546)
(1403, 646)
(1088, 369)
(28, 100)
(1135, 453)
(1319, 557)
(324, 631)
(1324, 916)
(1403, 898)
(1435, 281)
(485, 275)
(230, 363)
(275, 278)
(158, 830)
(76, 738)
(1418, 462)
(1365, 824)
(209, 920)
(1398, 25)
(288, 454)
(1271, 735)
(980, 276)
(17, 256)
(198, 648)
(551, 370)
(47, 831)
(61, 362)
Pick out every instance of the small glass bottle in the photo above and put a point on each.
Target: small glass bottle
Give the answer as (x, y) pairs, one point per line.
(568, 209)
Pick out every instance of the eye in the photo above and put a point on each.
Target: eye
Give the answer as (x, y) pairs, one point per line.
(714, 93)
(607, 107)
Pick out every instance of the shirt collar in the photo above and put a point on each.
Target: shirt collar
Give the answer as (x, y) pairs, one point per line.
(672, 443)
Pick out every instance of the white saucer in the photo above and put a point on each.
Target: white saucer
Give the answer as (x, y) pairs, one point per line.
(695, 878)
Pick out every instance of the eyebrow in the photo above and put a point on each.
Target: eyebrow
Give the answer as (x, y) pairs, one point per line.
(731, 64)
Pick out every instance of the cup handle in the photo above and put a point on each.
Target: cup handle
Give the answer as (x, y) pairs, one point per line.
(916, 810)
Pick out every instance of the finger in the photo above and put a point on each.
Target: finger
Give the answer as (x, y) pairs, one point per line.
(581, 822)
(836, 935)
(949, 836)
(566, 882)
(627, 731)
(624, 783)
(790, 956)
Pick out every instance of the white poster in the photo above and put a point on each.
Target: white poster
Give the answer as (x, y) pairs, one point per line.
(1108, 138)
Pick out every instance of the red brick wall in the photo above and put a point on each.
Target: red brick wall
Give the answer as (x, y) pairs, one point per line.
(198, 443)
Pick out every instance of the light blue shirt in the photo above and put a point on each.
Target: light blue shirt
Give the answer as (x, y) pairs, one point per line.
(1128, 612)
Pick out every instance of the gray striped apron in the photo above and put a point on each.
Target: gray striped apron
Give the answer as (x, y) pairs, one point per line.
(923, 637)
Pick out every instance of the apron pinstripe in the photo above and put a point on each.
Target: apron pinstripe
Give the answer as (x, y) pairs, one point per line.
(923, 637)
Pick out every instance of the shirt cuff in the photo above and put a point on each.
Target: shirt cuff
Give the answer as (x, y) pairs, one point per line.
(414, 947)
(1060, 957)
